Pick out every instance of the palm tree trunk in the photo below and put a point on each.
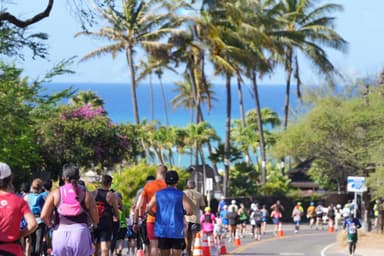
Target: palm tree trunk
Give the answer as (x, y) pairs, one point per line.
(135, 109)
(152, 98)
(164, 102)
(197, 104)
(204, 168)
(287, 90)
(242, 114)
(214, 165)
(227, 144)
(261, 129)
(287, 95)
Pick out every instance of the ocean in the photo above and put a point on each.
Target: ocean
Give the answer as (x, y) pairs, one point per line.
(117, 100)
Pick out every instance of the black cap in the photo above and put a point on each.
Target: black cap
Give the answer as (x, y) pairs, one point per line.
(171, 177)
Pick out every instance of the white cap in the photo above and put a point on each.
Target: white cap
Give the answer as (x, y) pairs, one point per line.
(233, 201)
(5, 171)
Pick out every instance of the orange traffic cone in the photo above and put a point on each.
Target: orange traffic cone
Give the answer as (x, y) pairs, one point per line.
(197, 249)
(223, 249)
(213, 250)
(331, 228)
(237, 239)
(205, 246)
(280, 232)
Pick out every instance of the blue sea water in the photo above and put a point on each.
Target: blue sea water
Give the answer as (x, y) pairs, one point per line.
(117, 99)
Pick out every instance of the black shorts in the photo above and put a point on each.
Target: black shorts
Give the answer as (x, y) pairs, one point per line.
(122, 234)
(102, 235)
(171, 243)
(194, 227)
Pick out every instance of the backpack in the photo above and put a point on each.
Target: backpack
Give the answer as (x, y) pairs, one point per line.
(331, 213)
(319, 209)
(207, 218)
(35, 202)
(69, 204)
(257, 215)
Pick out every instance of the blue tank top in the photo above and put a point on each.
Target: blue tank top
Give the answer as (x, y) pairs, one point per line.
(169, 214)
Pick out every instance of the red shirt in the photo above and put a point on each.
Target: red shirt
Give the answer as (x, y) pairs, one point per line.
(12, 210)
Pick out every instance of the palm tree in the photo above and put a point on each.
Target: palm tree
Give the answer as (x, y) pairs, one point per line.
(139, 25)
(86, 97)
(252, 22)
(197, 136)
(305, 27)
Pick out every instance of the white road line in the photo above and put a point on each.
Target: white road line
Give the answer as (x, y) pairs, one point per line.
(291, 253)
(326, 248)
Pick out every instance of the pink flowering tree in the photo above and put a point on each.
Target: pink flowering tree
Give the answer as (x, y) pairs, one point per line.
(84, 135)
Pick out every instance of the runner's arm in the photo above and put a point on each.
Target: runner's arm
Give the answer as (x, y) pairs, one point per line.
(31, 225)
(150, 205)
(46, 212)
(92, 208)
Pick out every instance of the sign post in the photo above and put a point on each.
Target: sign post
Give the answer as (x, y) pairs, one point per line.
(357, 185)
(209, 188)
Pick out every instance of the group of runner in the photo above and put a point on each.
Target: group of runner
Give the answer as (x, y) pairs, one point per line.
(69, 220)
(163, 220)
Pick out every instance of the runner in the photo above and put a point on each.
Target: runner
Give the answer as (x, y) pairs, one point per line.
(276, 216)
(232, 223)
(296, 215)
(142, 241)
(224, 218)
(120, 238)
(116, 222)
(319, 216)
(207, 221)
(107, 205)
(149, 191)
(36, 201)
(338, 217)
(311, 214)
(256, 219)
(15, 208)
(351, 225)
(243, 217)
(221, 204)
(171, 205)
(193, 220)
(331, 214)
(73, 205)
(264, 219)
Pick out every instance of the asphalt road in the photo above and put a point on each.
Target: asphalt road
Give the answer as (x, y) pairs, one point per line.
(307, 242)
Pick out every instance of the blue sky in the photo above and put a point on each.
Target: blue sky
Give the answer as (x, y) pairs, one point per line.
(360, 24)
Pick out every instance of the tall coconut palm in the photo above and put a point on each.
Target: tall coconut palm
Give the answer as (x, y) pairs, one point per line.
(222, 41)
(138, 25)
(306, 27)
(158, 60)
(252, 21)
